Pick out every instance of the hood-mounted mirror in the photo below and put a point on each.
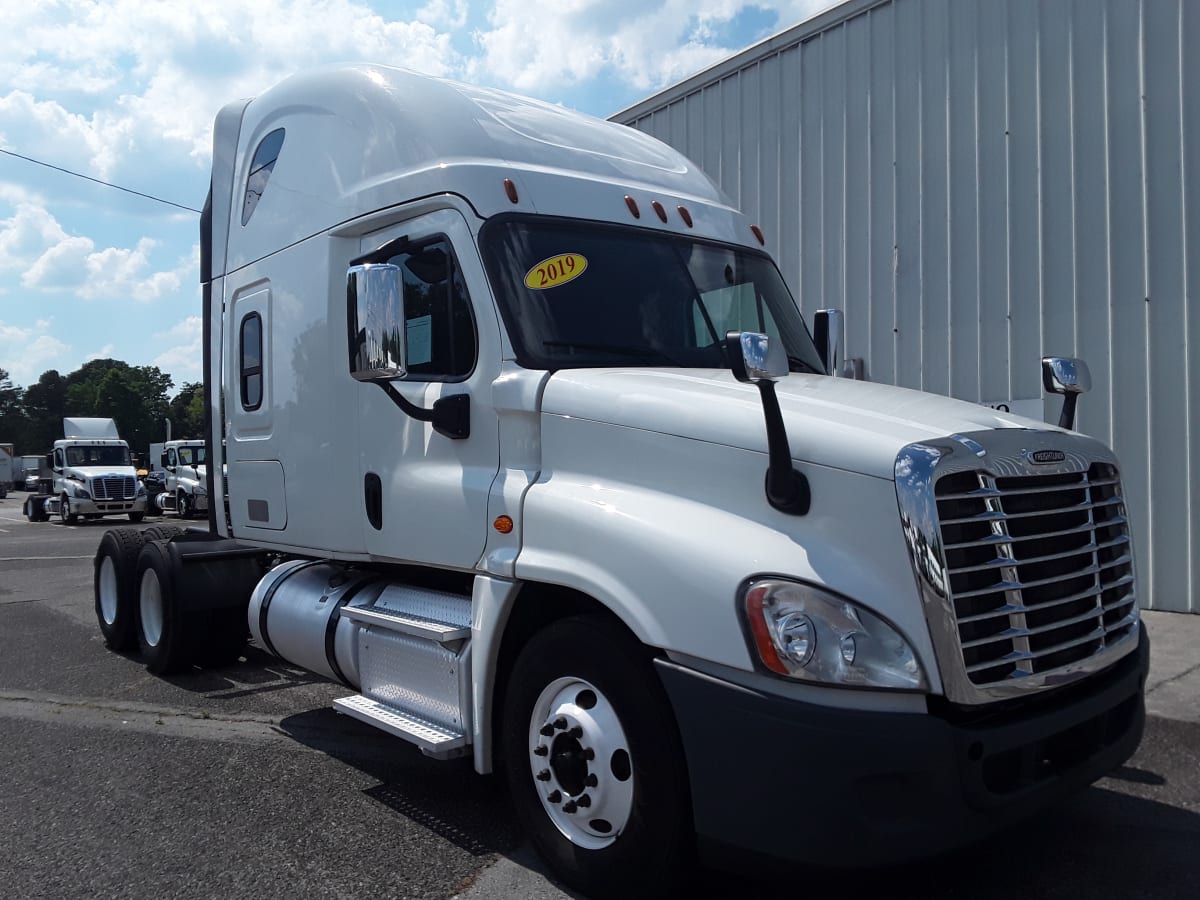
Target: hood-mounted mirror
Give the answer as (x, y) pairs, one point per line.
(1069, 377)
(756, 359)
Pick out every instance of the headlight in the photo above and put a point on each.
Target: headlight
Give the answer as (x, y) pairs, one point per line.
(78, 491)
(812, 635)
(141, 490)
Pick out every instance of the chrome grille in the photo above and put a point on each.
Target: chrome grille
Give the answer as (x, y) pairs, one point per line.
(114, 487)
(1039, 568)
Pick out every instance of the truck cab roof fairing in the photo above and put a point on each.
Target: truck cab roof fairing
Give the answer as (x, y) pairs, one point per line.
(366, 137)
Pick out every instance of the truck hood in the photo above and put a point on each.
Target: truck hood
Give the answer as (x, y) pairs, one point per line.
(857, 426)
(101, 472)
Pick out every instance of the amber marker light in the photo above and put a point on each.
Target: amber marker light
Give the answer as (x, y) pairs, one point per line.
(633, 207)
(510, 189)
(503, 524)
(686, 216)
(756, 616)
(758, 234)
(659, 210)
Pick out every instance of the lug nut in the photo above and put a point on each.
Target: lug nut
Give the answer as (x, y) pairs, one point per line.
(560, 723)
(588, 753)
(543, 775)
(591, 781)
(584, 800)
(569, 806)
(554, 796)
(541, 750)
(546, 730)
(576, 732)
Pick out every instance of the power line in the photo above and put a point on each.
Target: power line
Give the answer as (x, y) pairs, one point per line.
(38, 162)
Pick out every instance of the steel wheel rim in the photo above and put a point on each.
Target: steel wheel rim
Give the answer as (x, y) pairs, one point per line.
(150, 605)
(64, 508)
(108, 590)
(580, 763)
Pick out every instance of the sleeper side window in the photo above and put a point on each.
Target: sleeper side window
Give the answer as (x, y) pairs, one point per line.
(250, 362)
(439, 326)
(261, 167)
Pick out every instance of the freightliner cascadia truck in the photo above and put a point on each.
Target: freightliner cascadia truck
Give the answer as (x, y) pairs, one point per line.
(92, 476)
(611, 525)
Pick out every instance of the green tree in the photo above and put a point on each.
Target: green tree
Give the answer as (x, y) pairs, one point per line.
(12, 413)
(45, 404)
(187, 411)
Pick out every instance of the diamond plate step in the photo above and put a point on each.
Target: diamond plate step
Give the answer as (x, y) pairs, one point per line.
(440, 632)
(434, 740)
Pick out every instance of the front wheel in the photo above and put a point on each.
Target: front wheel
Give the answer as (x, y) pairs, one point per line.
(594, 761)
(64, 511)
(183, 504)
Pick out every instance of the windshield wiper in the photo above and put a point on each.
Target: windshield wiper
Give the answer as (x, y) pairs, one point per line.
(616, 349)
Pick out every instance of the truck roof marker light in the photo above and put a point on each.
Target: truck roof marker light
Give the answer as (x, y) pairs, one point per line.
(658, 208)
(503, 524)
(510, 189)
(685, 215)
(633, 207)
(756, 614)
(758, 234)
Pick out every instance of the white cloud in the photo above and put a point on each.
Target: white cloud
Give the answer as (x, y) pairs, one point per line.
(26, 235)
(104, 352)
(27, 352)
(184, 359)
(536, 44)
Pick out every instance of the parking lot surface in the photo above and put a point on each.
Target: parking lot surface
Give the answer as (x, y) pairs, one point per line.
(242, 782)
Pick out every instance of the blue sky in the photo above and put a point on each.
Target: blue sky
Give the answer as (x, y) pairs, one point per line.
(125, 91)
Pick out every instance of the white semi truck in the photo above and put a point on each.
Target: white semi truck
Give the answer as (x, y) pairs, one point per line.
(185, 488)
(92, 476)
(610, 527)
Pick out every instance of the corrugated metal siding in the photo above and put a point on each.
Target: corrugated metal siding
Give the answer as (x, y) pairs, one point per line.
(980, 182)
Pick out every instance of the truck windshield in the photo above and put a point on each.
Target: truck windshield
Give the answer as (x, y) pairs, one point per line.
(583, 294)
(191, 456)
(98, 456)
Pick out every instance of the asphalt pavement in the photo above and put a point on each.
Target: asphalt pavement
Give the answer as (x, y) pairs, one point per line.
(242, 782)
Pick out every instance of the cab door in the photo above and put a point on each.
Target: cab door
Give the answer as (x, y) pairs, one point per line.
(424, 496)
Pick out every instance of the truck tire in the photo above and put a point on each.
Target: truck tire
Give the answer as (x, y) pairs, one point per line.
(168, 644)
(136, 516)
(594, 762)
(161, 532)
(115, 588)
(183, 504)
(64, 512)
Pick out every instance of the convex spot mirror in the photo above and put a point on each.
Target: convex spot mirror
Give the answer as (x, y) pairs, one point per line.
(375, 314)
(755, 357)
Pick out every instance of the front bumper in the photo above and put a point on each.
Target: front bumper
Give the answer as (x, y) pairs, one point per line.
(86, 507)
(788, 781)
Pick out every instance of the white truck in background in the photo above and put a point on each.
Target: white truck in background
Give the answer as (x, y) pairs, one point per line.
(93, 476)
(610, 525)
(185, 489)
(8, 470)
(28, 470)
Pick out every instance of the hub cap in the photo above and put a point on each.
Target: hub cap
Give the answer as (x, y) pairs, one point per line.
(108, 590)
(150, 605)
(580, 762)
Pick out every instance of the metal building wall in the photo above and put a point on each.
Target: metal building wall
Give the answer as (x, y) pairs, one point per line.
(977, 183)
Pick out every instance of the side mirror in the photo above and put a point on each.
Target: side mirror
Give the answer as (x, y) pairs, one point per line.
(378, 345)
(375, 316)
(828, 326)
(162, 460)
(756, 359)
(1069, 377)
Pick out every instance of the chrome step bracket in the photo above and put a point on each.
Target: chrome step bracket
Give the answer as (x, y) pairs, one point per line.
(439, 632)
(434, 740)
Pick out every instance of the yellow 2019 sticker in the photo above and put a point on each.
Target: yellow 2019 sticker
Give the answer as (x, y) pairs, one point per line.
(555, 271)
